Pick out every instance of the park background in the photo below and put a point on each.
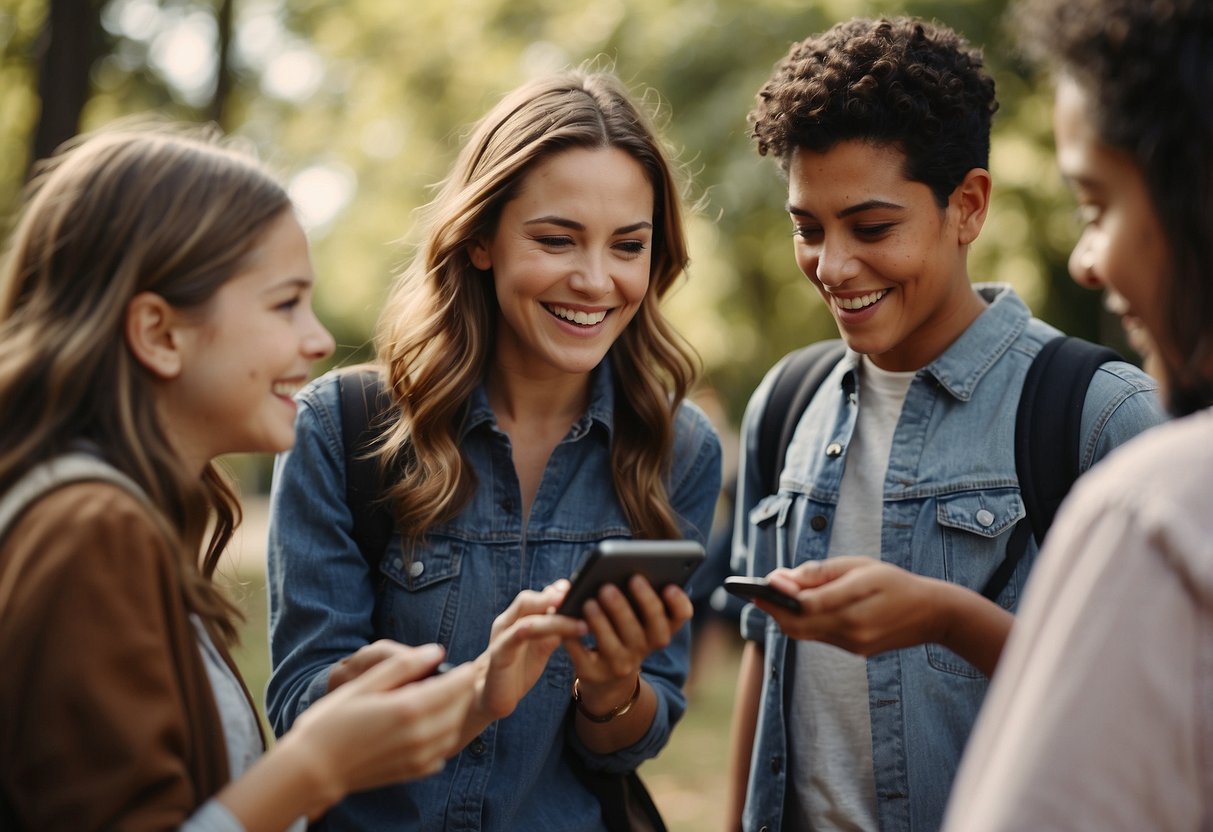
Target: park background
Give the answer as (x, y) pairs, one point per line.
(361, 105)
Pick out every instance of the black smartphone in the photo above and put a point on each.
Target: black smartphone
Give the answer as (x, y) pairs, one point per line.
(662, 562)
(751, 588)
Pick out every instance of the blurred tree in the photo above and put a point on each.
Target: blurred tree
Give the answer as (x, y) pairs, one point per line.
(362, 106)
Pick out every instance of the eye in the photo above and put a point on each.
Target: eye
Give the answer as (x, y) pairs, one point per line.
(555, 241)
(1087, 214)
(873, 231)
(633, 248)
(809, 233)
(290, 304)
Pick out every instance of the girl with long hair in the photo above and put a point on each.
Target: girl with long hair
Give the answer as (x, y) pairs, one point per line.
(155, 310)
(537, 406)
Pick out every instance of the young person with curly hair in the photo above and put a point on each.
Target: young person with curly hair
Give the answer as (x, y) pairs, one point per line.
(1101, 716)
(537, 407)
(898, 493)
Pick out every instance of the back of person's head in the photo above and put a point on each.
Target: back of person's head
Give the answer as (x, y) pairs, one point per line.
(1146, 68)
(903, 82)
(437, 331)
(113, 214)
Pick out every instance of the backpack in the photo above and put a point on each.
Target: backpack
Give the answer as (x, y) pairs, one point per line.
(1047, 429)
(626, 803)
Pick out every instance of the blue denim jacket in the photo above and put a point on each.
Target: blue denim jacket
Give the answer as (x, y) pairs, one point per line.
(324, 605)
(951, 497)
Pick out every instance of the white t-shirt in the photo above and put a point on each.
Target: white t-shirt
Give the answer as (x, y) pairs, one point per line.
(832, 785)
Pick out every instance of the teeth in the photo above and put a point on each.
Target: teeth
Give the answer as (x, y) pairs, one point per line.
(861, 301)
(576, 316)
(287, 388)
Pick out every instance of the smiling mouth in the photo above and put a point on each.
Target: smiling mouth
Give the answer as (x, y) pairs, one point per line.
(576, 316)
(287, 389)
(861, 302)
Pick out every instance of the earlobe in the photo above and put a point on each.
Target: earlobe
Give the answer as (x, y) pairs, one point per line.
(151, 336)
(972, 201)
(478, 253)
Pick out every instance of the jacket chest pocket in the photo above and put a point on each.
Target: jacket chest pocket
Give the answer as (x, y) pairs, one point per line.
(768, 534)
(420, 598)
(975, 527)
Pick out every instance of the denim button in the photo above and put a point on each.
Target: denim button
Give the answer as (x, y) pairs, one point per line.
(416, 568)
(776, 765)
(818, 522)
(833, 450)
(477, 747)
(507, 504)
(984, 518)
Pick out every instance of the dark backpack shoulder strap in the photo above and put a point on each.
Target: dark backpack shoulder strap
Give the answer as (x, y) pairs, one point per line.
(791, 392)
(364, 401)
(1048, 439)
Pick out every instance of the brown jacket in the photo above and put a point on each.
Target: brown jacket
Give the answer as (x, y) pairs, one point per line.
(107, 719)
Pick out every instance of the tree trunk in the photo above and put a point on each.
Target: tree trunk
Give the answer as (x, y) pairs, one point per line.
(66, 50)
(223, 75)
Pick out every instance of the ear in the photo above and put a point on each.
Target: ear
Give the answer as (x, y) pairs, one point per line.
(971, 199)
(478, 253)
(151, 334)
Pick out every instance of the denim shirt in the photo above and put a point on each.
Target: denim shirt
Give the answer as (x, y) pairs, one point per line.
(951, 497)
(324, 604)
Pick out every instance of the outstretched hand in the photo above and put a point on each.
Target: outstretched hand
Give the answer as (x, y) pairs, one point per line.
(384, 721)
(860, 604)
(522, 640)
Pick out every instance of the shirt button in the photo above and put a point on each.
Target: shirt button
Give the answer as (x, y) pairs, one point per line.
(416, 568)
(477, 747)
(776, 765)
(984, 518)
(398, 563)
(833, 450)
(507, 504)
(818, 522)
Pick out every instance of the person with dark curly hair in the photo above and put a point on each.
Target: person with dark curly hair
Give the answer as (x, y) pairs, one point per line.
(898, 495)
(1101, 716)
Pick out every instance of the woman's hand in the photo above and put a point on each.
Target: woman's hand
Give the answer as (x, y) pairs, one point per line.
(522, 640)
(625, 633)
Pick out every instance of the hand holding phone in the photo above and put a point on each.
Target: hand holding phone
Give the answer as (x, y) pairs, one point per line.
(752, 588)
(661, 562)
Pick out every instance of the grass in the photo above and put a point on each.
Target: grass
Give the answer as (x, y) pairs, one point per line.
(687, 779)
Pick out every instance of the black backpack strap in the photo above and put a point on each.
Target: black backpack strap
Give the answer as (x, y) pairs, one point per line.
(1048, 440)
(791, 392)
(362, 394)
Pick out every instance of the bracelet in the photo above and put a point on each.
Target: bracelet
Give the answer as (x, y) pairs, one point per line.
(617, 711)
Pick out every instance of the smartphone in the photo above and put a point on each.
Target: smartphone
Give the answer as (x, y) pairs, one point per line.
(751, 588)
(662, 562)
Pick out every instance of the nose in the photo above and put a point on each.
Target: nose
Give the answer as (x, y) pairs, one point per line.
(591, 277)
(1082, 265)
(318, 342)
(835, 263)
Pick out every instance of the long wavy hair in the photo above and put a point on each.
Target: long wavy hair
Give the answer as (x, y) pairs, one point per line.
(437, 331)
(1146, 67)
(111, 215)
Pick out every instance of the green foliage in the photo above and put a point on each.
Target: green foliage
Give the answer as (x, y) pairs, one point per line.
(399, 85)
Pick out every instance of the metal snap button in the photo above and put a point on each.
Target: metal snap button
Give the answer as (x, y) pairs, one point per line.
(833, 450)
(984, 518)
(416, 568)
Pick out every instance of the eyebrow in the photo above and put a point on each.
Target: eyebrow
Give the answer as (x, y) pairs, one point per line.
(290, 283)
(848, 211)
(576, 226)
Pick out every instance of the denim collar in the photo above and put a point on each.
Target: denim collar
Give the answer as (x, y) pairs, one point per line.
(601, 411)
(962, 365)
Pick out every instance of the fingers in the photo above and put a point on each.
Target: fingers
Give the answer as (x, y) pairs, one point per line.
(371, 655)
(396, 665)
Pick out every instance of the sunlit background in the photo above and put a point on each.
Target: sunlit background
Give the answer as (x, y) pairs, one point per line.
(361, 105)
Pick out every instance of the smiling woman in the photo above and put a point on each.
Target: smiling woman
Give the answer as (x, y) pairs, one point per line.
(536, 407)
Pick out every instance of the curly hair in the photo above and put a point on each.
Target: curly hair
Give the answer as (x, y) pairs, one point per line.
(902, 81)
(1146, 68)
(437, 331)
